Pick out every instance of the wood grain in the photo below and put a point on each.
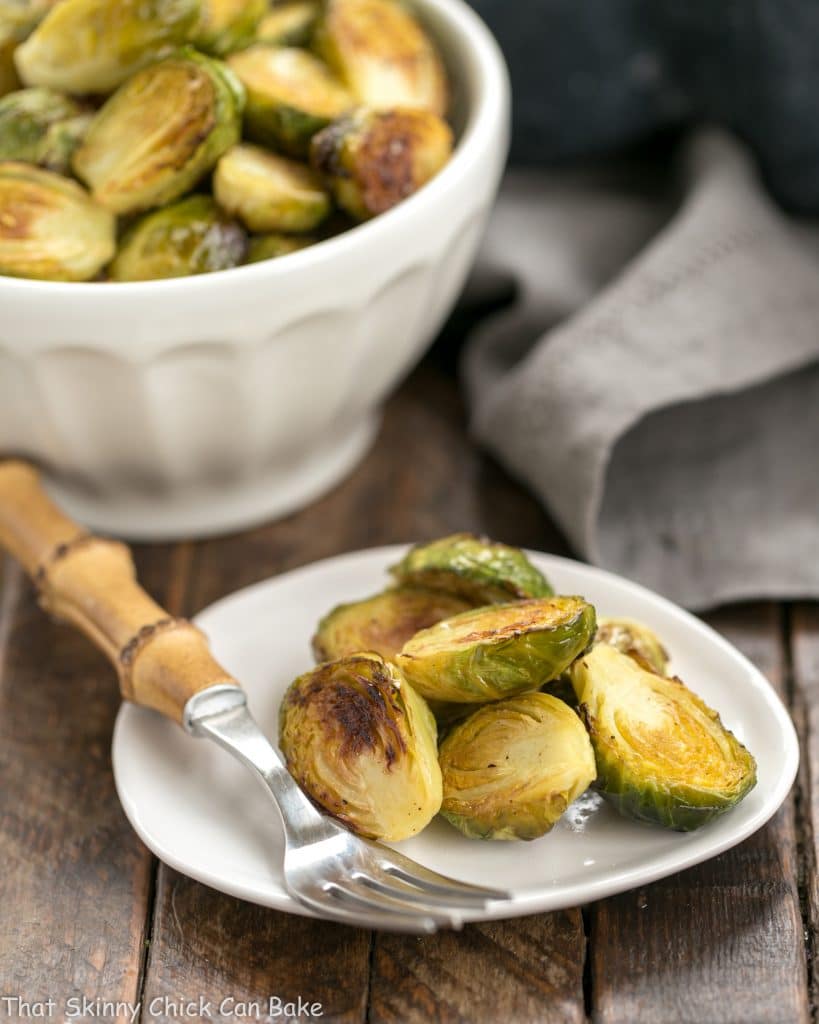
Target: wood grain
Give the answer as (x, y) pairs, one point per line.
(805, 664)
(525, 970)
(75, 881)
(720, 942)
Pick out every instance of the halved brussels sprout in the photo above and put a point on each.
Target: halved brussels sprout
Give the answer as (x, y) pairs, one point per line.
(497, 651)
(40, 126)
(382, 54)
(362, 744)
(160, 133)
(481, 570)
(290, 95)
(18, 18)
(93, 46)
(382, 623)
(228, 25)
(372, 160)
(50, 228)
(663, 755)
(512, 768)
(636, 640)
(269, 192)
(270, 247)
(288, 24)
(192, 236)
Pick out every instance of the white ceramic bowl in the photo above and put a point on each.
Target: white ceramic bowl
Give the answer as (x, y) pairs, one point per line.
(194, 406)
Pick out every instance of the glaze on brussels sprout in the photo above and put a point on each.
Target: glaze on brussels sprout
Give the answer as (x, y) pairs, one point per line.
(512, 768)
(288, 24)
(663, 756)
(50, 228)
(497, 651)
(372, 160)
(362, 745)
(272, 246)
(290, 96)
(192, 236)
(40, 126)
(160, 133)
(382, 54)
(93, 46)
(228, 25)
(636, 640)
(481, 570)
(382, 623)
(268, 192)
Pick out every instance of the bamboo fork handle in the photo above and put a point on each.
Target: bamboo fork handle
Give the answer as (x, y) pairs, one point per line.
(91, 583)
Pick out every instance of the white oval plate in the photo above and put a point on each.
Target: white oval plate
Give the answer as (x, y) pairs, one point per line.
(203, 814)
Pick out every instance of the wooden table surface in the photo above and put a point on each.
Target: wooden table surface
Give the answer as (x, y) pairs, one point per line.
(87, 911)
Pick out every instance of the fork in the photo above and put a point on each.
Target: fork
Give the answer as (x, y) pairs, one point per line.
(164, 663)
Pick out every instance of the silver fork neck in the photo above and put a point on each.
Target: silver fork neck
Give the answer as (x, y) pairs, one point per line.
(221, 714)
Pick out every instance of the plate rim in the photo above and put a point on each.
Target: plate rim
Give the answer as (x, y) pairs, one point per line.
(541, 900)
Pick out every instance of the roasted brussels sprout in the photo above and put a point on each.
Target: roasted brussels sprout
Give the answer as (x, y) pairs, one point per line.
(382, 623)
(42, 127)
(636, 640)
(663, 755)
(270, 247)
(50, 228)
(290, 96)
(228, 25)
(478, 569)
(371, 160)
(160, 133)
(18, 18)
(288, 24)
(362, 744)
(512, 768)
(192, 236)
(497, 651)
(93, 46)
(382, 54)
(269, 192)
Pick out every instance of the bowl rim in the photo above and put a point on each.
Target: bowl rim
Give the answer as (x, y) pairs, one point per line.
(488, 105)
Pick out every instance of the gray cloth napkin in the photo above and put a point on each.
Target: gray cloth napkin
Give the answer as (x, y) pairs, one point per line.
(657, 381)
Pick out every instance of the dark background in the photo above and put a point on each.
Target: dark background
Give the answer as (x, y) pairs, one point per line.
(591, 76)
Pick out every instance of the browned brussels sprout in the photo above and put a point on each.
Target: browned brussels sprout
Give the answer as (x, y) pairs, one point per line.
(512, 768)
(192, 236)
(50, 228)
(268, 192)
(499, 650)
(371, 160)
(362, 744)
(481, 570)
(160, 133)
(228, 25)
(663, 755)
(636, 640)
(42, 127)
(93, 46)
(290, 96)
(382, 623)
(382, 54)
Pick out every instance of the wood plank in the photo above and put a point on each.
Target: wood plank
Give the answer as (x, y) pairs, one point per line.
(722, 942)
(526, 970)
(422, 479)
(75, 883)
(805, 663)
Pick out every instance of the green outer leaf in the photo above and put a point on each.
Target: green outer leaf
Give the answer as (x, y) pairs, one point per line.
(491, 668)
(479, 569)
(220, 37)
(633, 785)
(40, 126)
